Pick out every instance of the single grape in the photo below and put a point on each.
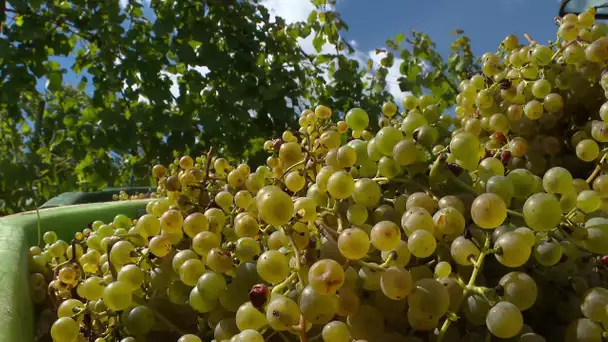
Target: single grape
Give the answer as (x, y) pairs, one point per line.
(326, 276)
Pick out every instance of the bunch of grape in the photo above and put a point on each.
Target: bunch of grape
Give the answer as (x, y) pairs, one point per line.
(487, 226)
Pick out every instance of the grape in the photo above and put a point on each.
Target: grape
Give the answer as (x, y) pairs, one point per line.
(273, 267)
(588, 201)
(594, 304)
(504, 320)
(464, 144)
(336, 331)
(488, 211)
(367, 323)
(583, 329)
(547, 252)
(463, 250)
(357, 119)
(515, 251)
(326, 276)
(190, 271)
(521, 180)
(340, 185)
(557, 180)
(275, 206)
(194, 224)
(519, 289)
(353, 243)
(542, 212)
(189, 338)
(131, 275)
(117, 296)
(282, 313)
(405, 152)
(429, 298)
(417, 218)
(317, 308)
(200, 302)
(421, 243)
(385, 235)
(211, 285)
(396, 283)
(402, 253)
(64, 329)
(139, 320)
(249, 317)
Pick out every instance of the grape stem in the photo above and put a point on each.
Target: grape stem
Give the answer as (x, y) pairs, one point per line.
(529, 38)
(304, 160)
(597, 169)
(406, 181)
(297, 255)
(470, 287)
(279, 287)
(372, 266)
(207, 166)
(515, 213)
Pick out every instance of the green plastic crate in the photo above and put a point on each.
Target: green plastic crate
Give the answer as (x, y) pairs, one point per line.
(18, 232)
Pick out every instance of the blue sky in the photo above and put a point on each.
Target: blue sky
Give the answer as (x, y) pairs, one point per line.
(372, 22)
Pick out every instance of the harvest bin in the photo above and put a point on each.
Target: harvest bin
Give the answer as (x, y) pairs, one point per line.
(18, 232)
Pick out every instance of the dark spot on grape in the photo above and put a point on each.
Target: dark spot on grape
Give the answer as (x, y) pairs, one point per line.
(275, 313)
(505, 84)
(455, 169)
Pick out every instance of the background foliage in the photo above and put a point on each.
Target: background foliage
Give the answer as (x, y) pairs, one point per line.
(241, 74)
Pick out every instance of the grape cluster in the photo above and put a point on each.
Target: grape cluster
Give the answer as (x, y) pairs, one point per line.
(487, 226)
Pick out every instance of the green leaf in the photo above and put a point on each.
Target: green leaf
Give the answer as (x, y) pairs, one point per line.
(312, 17)
(399, 38)
(19, 20)
(54, 81)
(318, 42)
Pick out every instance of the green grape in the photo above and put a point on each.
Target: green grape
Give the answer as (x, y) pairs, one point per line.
(533, 110)
(557, 180)
(567, 201)
(547, 253)
(181, 257)
(190, 271)
(326, 276)
(92, 288)
(353, 243)
(306, 207)
(519, 289)
(121, 253)
(356, 214)
(553, 102)
(236, 294)
(246, 226)
(475, 309)
(464, 145)
(587, 150)
(515, 250)
(588, 201)
(531, 337)
(405, 152)
(340, 185)
(542, 55)
(282, 313)
(599, 131)
(357, 119)
(420, 321)
(194, 224)
(219, 260)
(527, 234)
(317, 308)
(388, 168)
(521, 180)
(385, 235)
(396, 283)
(597, 51)
(131, 275)
(429, 297)
(117, 296)
(248, 336)
(347, 156)
(348, 301)
(273, 267)
(490, 167)
(401, 254)
(410, 102)
(423, 200)
(275, 206)
(49, 237)
(171, 221)
(421, 243)
(504, 320)
(583, 330)
(205, 241)
(449, 221)
(247, 249)
(336, 331)
(160, 246)
(386, 139)
(249, 317)
(463, 250)
(542, 212)
(366, 324)
(488, 211)
(64, 329)
(189, 338)
(417, 218)
(541, 88)
(443, 269)
(594, 304)
(501, 186)
(200, 302)
(411, 122)
(138, 320)
(211, 285)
